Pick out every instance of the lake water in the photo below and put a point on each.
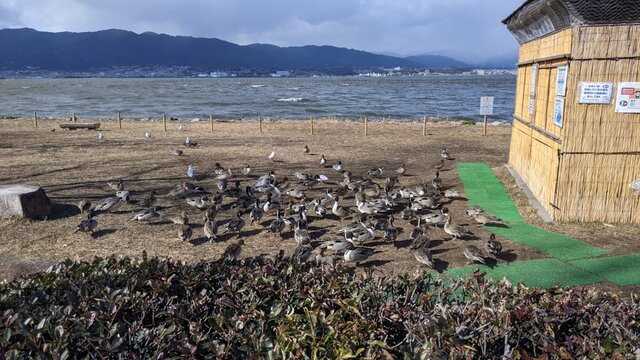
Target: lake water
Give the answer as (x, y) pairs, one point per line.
(404, 98)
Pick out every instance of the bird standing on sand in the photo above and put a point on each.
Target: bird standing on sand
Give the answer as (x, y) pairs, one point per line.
(493, 246)
(147, 215)
(235, 225)
(191, 172)
(101, 136)
(84, 205)
(453, 229)
(444, 153)
(423, 255)
(272, 156)
(185, 231)
(148, 135)
(302, 253)
(306, 149)
(87, 225)
(323, 161)
(176, 152)
(246, 170)
(436, 182)
(210, 227)
(338, 166)
(401, 170)
(116, 186)
(233, 251)
(277, 224)
(357, 254)
(107, 204)
(473, 254)
(150, 200)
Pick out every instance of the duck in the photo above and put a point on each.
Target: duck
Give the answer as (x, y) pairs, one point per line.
(422, 240)
(246, 169)
(186, 231)
(338, 166)
(150, 200)
(301, 234)
(453, 229)
(372, 192)
(200, 202)
(222, 184)
(437, 219)
(148, 135)
(436, 182)
(210, 228)
(473, 254)
(235, 191)
(256, 213)
(277, 224)
(357, 254)
(417, 230)
(88, 225)
(218, 169)
(147, 215)
(302, 253)
(181, 219)
(295, 193)
(271, 204)
(483, 218)
(401, 170)
(235, 225)
(493, 246)
(175, 152)
(306, 149)
(101, 136)
(233, 251)
(116, 186)
(452, 194)
(225, 174)
(473, 210)
(322, 259)
(272, 156)
(361, 236)
(375, 171)
(107, 204)
(338, 210)
(338, 245)
(189, 142)
(444, 153)
(323, 161)
(390, 232)
(191, 171)
(84, 205)
(439, 165)
(423, 255)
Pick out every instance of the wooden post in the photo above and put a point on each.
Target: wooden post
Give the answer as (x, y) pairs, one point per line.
(312, 126)
(485, 125)
(211, 121)
(35, 119)
(366, 125)
(119, 121)
(164, 121)
(260, 121)
(424, 126)
(74, 118)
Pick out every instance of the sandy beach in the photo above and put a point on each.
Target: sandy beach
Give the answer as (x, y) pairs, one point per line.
(74, 165)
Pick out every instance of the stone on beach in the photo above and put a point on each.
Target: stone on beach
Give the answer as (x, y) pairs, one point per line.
(24, 201)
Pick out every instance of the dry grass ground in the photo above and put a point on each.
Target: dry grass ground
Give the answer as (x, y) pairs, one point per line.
(74, 165)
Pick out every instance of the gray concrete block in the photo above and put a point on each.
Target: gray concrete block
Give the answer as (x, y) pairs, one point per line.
(24, 201)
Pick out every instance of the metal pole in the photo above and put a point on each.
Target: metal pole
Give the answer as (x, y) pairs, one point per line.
(366, 125)
(164, 121)
(119, 121)
(35, 119)
(260, 121)
(424, 126)
(485, 125)
(211, 121)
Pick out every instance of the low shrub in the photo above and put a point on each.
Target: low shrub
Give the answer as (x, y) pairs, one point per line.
(272, 308)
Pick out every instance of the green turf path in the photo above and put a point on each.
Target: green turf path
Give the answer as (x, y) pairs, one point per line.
(572, 262)
(620, 270)
(482, 188)
(543, 273)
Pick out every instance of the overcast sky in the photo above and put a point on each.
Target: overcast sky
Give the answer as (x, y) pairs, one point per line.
(468, 29)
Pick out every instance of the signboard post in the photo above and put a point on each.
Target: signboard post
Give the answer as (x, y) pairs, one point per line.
(486, 108)
(628, 98)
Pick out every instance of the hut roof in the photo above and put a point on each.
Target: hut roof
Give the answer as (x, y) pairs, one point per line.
(536, 18)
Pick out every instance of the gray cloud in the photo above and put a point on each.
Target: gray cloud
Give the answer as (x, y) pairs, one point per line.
(469, 29)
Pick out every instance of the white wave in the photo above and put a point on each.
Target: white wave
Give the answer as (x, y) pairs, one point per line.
(291, 99)
(257, 86)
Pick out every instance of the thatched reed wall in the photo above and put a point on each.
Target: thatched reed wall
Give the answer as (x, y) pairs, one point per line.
(582, 170)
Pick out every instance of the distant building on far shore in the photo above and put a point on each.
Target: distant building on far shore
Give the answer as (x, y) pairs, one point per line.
(281, 73)
(576, 128)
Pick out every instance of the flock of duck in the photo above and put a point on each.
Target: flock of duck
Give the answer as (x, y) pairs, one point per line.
(284, 205)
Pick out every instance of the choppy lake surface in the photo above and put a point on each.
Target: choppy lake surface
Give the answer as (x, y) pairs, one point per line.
(403, 98)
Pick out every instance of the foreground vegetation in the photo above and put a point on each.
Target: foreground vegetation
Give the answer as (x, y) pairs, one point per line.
(260, 308)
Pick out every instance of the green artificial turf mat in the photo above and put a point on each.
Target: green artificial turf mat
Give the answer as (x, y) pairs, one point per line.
(620, 270)
(559, 246)
(482, 188)
(543, 273)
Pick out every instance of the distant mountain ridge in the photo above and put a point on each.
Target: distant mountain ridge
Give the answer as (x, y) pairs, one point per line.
(28, 48)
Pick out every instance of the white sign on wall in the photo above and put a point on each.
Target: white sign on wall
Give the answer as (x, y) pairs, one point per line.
(595, 93)
(558, 111)
(532, 90)
(561, 80)
(628, 97)
(486, 105)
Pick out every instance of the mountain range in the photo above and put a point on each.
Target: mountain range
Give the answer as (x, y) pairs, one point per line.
(66, 51)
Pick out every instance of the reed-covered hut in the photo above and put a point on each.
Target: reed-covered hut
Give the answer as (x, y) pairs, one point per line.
(576, 128)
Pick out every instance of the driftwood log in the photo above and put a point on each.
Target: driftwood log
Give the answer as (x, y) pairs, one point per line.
(76, 126)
